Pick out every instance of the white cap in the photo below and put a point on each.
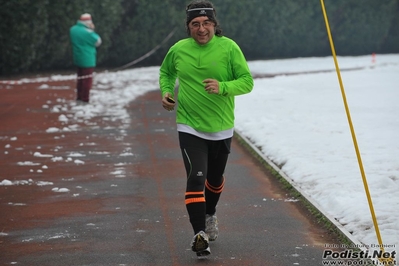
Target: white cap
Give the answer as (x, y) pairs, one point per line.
(85, 16)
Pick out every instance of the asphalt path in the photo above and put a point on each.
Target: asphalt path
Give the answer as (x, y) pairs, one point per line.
(123, 199)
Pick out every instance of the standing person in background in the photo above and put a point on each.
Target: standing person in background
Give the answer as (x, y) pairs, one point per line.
(211, 70)
(84, 43)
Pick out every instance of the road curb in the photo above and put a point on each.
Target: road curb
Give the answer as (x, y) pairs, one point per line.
(314, 208)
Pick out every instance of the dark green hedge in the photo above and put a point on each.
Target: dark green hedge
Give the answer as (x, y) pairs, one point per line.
(34, 35)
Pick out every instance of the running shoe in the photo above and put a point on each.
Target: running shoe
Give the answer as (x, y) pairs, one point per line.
(200, 244)
(211, 227)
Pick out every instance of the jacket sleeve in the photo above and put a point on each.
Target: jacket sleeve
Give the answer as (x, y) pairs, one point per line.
(98, 42)
(242, 82)
(95, 38)
(168, 74)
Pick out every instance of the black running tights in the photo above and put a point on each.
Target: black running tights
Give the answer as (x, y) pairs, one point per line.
(205, 163)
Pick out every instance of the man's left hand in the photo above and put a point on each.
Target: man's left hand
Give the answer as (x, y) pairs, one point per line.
(211, 86)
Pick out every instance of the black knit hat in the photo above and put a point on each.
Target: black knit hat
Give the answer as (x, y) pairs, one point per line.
(199, 8)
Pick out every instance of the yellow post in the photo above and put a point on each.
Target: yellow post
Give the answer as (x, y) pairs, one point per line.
(359, 158)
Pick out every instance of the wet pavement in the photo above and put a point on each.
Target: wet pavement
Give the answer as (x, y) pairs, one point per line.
(111, 192)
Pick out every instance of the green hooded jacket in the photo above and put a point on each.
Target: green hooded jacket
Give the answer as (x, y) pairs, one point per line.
(191, 63)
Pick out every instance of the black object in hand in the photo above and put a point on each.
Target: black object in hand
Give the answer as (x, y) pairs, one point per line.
(169, 99)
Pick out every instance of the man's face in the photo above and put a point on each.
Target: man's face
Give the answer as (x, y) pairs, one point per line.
(202, 29)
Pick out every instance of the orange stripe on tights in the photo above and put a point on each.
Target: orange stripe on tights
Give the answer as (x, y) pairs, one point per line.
(213, 189)
(195, 200)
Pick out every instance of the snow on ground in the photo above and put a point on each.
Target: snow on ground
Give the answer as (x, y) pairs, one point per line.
(299, 122)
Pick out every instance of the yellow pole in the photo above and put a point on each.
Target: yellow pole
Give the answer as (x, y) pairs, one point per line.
(359, 158)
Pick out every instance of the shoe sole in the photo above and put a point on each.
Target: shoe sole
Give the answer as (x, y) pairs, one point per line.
(204, 253)
(213, 238)
(212, 234)
(200, 245)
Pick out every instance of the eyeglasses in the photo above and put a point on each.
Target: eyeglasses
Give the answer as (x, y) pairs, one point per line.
(205, 24)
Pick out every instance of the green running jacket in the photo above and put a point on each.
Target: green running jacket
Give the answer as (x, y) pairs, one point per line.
(191, 63)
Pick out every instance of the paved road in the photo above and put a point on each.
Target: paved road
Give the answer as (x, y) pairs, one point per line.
(124, 192)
